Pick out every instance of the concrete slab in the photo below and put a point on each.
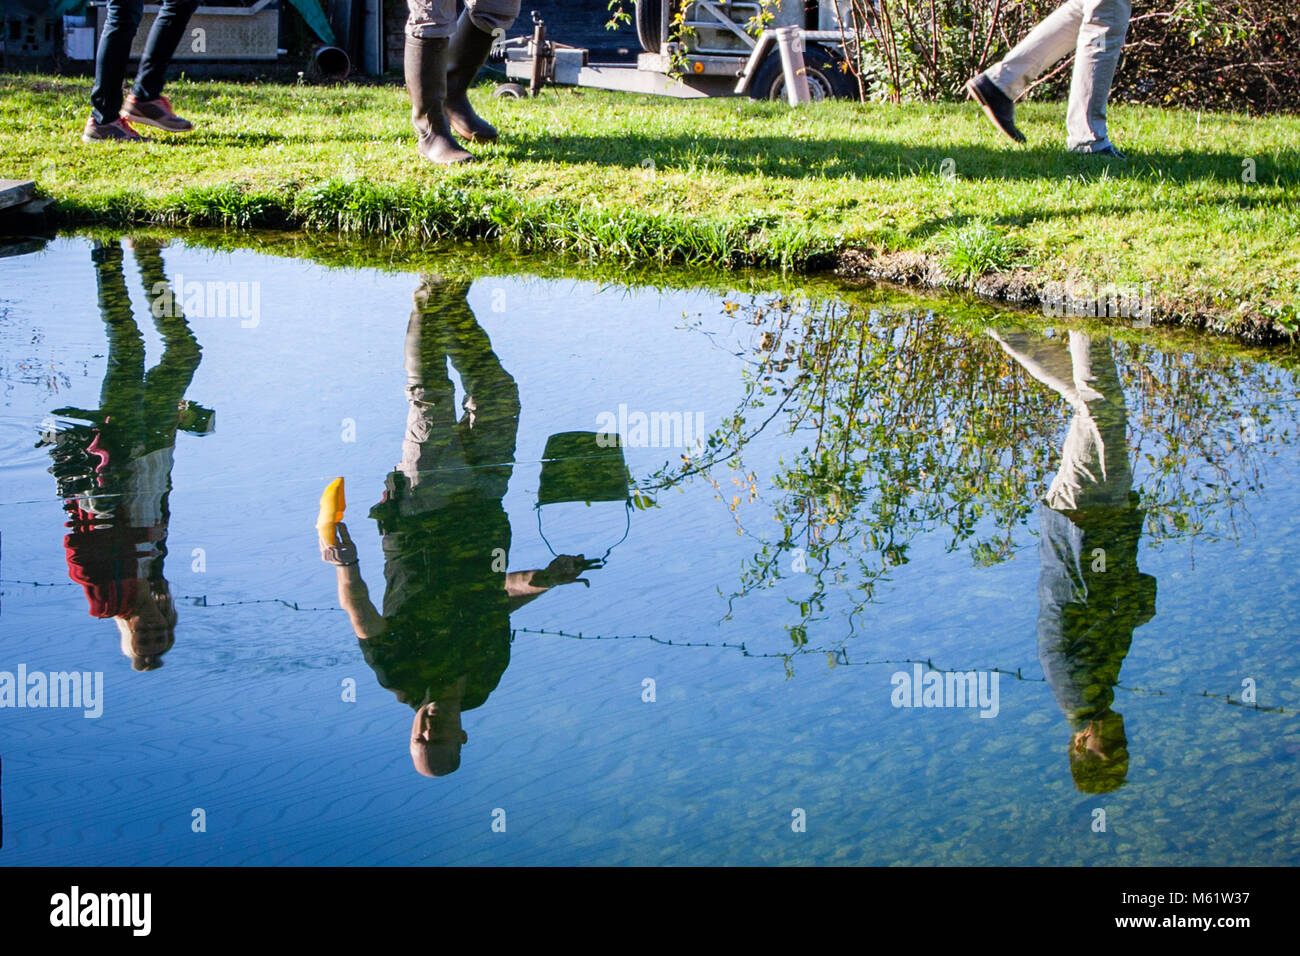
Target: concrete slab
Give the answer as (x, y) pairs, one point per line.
(15, 192)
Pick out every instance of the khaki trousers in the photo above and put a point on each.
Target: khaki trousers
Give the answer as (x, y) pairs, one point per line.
(1094, 31)
(437, 18)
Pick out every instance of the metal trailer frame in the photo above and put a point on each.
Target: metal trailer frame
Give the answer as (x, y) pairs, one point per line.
(709, 71)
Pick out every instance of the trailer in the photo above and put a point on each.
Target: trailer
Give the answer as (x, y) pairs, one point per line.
(800, 54)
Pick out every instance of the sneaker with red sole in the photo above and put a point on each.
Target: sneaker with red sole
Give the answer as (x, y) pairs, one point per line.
(156, 113)
(118, 131)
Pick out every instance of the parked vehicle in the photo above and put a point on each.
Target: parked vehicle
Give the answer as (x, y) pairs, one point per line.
(716, 48)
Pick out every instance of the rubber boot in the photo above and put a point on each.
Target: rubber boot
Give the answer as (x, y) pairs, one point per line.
(468, 52)
(425, 64)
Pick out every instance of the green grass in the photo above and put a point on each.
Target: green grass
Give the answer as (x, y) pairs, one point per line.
(725, 182)
(976, 248)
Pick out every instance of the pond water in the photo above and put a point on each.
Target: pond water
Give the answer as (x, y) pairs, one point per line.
(827, 515)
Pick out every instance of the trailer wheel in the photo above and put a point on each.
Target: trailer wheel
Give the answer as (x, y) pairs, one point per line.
(827, 78)
(649, 14)
(510, 91)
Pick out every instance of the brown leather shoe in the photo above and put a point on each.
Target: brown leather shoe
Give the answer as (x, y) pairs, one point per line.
(156, 113)
(118, 131)
(997, 106)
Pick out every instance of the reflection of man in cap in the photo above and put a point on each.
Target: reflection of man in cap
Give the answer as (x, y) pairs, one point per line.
(443, 639)
(115, 474)
(1091, 594)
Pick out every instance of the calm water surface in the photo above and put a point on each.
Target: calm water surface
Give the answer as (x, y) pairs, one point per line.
(811, 504)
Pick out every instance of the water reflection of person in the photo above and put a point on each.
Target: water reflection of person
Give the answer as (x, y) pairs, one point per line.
(443, 640)
(1091, 594)
(115, 474)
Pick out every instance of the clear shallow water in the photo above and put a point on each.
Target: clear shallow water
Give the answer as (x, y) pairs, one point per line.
(895, 516)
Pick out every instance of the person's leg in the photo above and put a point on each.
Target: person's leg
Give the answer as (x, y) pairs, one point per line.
(431, 442)
(146, 104)
(1106, 457)
(997, 88)
(1100, 41)
(1094, 467)
(1048, 360)
(160, 47)
(1046, 45)
(490, 419)
(122, 393)
(167, 382)
(428, 26)
(470, 46)
(120, 23)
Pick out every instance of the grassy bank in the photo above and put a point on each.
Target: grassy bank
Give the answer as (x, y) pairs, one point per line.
(475, 261)
(922, 193)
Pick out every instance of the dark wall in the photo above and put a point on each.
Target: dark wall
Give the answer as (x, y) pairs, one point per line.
(575, 22)
(581, 23)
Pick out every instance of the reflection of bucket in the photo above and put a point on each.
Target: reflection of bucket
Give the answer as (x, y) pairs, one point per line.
(331, 63)
(575, 467)
(586, 467)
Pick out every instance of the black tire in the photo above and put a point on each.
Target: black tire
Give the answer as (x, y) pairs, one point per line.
(510, 91)
(827, 76)
(649, 14)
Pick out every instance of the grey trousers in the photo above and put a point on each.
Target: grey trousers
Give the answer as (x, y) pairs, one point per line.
(1094, 30)
(437, 18)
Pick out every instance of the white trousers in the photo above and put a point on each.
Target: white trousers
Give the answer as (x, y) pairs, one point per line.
(1094, 31)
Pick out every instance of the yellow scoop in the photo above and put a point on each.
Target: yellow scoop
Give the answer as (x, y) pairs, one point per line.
(332, 506)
